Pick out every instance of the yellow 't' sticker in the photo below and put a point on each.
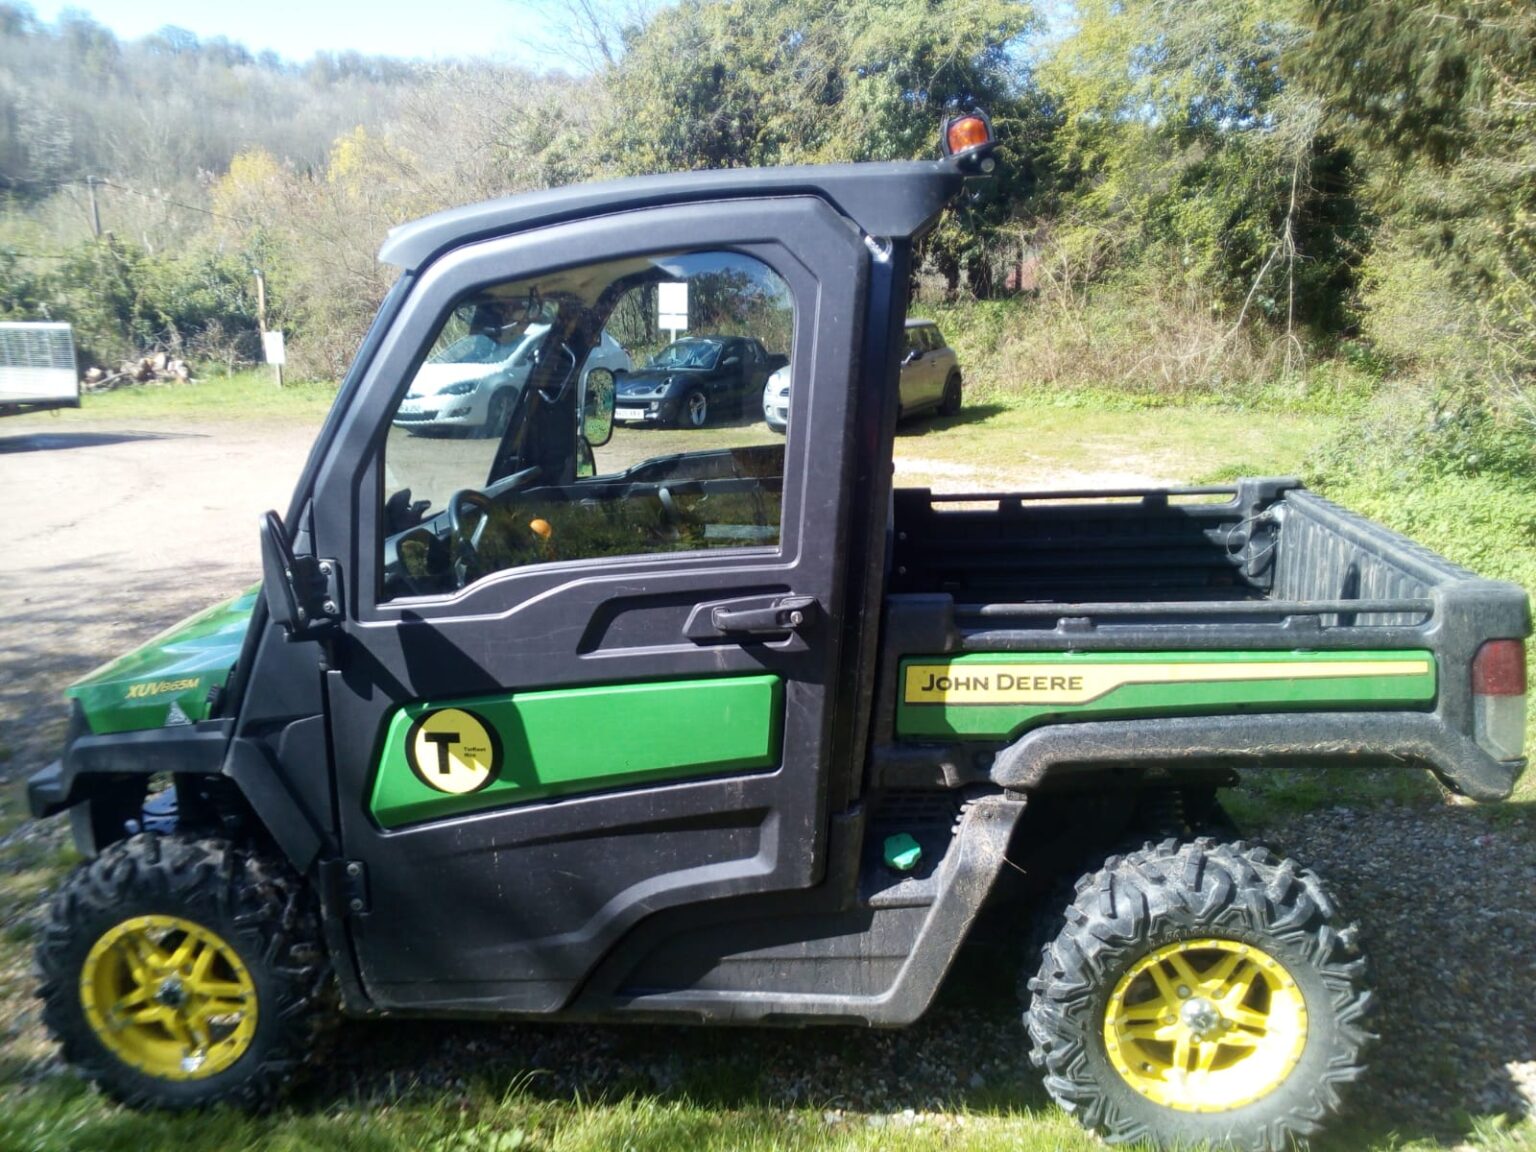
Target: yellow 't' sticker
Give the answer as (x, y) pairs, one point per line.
(452, 750)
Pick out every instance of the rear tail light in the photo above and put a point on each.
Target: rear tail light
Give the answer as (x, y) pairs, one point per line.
(1498, 698)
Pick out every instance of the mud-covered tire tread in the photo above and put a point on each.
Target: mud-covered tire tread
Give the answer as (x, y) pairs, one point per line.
(260, 907)
(1048, 913)
(1173, 889)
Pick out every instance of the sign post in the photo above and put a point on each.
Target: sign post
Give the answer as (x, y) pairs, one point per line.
(273, 352)
(672, 308)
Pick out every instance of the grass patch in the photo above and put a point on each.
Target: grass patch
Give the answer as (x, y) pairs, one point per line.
(1132, 344)
(1024, 433)
(243, 396)
(63, 1116)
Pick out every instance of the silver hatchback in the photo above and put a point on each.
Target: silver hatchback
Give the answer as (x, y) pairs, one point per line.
(930, 378)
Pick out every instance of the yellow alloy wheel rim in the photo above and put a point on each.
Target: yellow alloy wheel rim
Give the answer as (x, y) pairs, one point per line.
(169, 997)
(1205, 1025)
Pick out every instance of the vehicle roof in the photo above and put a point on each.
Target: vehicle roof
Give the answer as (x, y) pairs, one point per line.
(885, 200)
(919, 322)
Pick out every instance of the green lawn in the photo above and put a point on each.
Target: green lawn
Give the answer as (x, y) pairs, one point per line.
(243, 396)
(1029, 433)
(386, 1090)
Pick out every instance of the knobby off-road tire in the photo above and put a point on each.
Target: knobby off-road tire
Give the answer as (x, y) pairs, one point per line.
(246, 933)
(1196, 908)
(1048, 914)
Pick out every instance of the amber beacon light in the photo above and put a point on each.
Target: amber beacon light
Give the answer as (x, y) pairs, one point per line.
(968, 140)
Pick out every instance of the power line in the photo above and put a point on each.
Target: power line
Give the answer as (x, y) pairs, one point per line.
(100, 183)
(10, 184)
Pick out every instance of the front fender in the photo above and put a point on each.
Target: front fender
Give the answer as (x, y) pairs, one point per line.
(102, 777)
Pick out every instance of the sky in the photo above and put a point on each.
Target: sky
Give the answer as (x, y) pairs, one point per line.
(297, 29)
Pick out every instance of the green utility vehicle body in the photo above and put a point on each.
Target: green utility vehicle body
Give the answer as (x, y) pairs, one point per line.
(744, 733)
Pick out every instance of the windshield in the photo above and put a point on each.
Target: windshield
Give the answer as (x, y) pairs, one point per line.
(687, 354)
(513, 344)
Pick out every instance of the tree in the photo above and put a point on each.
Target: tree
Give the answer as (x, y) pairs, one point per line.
(1182, 135)
(722, 83)
(726, 83)
(1443, 95)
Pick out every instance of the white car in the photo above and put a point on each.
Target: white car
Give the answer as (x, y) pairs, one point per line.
(776, 400)
(471, 385)
(929, 379)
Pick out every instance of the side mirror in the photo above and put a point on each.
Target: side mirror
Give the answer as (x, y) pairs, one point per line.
(586, 462)
(731, 362)
(911, 357)
(597, 400)
(302, 594)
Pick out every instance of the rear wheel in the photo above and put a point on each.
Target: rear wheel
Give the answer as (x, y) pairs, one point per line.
(178, 973)
(1200, 993)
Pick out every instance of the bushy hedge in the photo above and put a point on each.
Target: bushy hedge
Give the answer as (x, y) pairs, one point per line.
(124, 301)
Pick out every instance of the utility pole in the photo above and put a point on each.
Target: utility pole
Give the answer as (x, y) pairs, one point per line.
(90, 184)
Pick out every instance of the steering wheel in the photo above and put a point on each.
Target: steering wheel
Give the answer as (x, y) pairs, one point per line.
(466, 542)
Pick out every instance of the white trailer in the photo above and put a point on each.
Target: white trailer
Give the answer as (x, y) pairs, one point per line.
(37, 367)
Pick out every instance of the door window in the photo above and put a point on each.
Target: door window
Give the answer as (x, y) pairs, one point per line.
(490, 461)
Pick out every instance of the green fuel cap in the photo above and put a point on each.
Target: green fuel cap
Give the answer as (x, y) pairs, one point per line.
(902, 852)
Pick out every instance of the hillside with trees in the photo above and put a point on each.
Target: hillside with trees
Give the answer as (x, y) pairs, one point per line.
(1247, 201)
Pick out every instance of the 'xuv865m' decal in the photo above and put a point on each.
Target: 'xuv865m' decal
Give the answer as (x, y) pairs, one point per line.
(996, 696)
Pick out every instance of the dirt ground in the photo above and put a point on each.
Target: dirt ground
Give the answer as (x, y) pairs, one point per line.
(122, 529)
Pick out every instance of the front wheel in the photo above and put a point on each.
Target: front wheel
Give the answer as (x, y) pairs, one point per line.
(950, 404)
(179, 973)
(498, 415)
(694, 410)
(1200, 993)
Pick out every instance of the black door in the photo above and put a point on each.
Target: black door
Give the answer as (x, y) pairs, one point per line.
(562, 705)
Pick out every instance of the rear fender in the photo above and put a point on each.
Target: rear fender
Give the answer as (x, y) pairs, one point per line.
(1059, 753)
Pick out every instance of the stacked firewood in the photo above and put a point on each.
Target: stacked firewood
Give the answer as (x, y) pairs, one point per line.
(159, 368)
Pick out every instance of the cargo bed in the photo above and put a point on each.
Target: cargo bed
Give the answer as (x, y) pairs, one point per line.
(1244, 559)
(1259, 565)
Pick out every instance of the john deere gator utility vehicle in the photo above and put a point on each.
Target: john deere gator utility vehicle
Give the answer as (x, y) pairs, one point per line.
(715, 726)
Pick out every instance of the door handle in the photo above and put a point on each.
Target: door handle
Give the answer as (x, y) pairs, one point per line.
(787, 615)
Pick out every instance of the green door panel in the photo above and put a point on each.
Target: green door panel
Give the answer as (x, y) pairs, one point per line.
(442, 758)
(997, 696)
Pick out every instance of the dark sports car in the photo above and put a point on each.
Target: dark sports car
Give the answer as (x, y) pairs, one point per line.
(694, 380)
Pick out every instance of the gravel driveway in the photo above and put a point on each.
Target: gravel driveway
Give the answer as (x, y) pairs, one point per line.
(123, 531)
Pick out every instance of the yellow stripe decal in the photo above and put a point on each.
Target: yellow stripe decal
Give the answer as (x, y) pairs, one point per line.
(1069, 684)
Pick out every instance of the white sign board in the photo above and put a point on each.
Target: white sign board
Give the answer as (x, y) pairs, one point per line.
(672, 307)
(272, 348)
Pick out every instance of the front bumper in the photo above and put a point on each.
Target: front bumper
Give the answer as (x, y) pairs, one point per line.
(645, 410)
(442, 412)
